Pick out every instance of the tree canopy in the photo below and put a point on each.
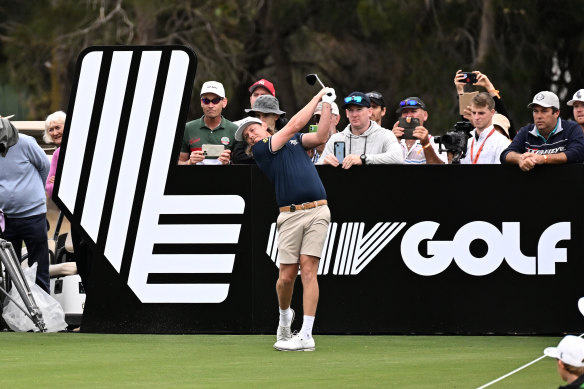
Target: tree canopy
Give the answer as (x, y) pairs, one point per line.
(399, 48)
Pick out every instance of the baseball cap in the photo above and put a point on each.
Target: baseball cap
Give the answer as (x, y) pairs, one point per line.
(545, 99)
(266, 84)
(213, 87)
(502, 121)
(376, 98)
(242, 125)
(570, 350)
(334, 108)
(357, 98)
(411, 102)
(266, 104)
(578, 96)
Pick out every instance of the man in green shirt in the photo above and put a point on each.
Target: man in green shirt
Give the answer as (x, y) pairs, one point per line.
(211, 129)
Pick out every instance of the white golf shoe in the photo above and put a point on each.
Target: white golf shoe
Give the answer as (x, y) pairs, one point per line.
(295, 343)
(284, 333)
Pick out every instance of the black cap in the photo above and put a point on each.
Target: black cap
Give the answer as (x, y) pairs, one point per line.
(357, 98)
(411, 102)
(376, 98)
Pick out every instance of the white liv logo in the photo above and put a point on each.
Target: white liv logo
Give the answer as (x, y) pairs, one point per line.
(155, 203)
(355, 248)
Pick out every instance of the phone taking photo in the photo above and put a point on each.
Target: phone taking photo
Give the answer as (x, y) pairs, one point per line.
(339, 148)
(409, 124)
(212, 151)
(469, 77)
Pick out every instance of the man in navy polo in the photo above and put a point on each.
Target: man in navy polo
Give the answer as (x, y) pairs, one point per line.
(304, 215)
(549, 140)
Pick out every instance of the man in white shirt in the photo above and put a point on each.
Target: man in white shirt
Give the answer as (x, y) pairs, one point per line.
(485, 144)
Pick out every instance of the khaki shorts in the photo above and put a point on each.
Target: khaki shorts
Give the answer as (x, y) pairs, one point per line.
(302, 232)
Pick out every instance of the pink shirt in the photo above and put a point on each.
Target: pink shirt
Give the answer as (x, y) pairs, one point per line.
(52, 172)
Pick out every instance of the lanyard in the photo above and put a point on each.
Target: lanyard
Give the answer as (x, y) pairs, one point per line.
(474, 160)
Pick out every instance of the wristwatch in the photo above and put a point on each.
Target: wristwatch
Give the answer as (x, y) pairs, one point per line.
(363, 159)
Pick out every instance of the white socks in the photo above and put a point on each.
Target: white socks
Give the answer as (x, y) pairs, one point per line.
(285, 317)
(306, 331)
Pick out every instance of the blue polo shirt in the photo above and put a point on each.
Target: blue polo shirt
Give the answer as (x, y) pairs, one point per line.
(290, 170)
(566, 138)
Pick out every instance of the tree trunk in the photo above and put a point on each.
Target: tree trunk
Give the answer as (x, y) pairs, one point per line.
(486, 33)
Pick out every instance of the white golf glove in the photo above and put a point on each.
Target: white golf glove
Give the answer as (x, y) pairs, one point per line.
(329, 96)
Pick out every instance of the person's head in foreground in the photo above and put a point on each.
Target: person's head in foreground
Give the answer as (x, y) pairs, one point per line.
(570, 358)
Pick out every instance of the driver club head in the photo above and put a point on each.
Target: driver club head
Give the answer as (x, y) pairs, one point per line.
(312, 79)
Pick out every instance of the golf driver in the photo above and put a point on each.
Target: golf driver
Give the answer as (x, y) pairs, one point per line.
(312, 78)
(580, 308)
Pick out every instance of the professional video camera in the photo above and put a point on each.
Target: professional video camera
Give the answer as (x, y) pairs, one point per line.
(455, 141)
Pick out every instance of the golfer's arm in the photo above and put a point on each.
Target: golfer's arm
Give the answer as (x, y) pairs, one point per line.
(297, 123)
(314, 139)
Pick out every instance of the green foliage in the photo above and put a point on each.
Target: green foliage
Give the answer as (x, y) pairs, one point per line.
(400, 48)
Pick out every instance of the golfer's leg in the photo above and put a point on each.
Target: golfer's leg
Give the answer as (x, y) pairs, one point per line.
(308, 271)
(285, 284)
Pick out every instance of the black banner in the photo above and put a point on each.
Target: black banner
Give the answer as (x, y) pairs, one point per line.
(411, 250)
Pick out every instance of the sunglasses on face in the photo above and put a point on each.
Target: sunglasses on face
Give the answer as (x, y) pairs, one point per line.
(207, 101)
(316, 118)
(356, 99)
(408, 102)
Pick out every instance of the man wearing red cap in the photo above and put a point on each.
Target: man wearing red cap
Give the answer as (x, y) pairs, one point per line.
(259, 88)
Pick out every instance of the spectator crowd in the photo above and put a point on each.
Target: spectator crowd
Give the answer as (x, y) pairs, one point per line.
(491, 138)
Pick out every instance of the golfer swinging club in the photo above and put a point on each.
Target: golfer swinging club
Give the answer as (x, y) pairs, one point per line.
(304, 214)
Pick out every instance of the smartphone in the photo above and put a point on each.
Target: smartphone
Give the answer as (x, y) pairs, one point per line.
(469, 77)
(313, 128)
(339, 151)
(409, 124)
(212, 151)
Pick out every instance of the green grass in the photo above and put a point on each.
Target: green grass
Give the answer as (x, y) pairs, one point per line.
(76, 360)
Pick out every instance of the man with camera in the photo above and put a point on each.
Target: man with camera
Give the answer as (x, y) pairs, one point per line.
(209, 140)
(485, 144)
(418, 146)
(466, 80)
(549, 140)
(363, 141)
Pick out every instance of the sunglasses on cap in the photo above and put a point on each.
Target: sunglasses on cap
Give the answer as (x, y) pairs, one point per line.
(408, 102)
(375, 95)
(356, 99)
(207, 101)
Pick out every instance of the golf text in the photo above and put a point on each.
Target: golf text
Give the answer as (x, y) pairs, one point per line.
(355, 249)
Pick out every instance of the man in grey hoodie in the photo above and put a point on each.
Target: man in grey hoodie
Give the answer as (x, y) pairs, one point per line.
(365, 142)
